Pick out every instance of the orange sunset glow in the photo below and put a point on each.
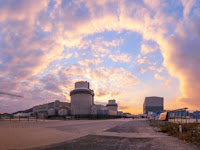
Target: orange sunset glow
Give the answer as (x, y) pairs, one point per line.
(127, 50)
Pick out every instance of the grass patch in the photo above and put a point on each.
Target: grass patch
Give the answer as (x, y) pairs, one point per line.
(190, 131)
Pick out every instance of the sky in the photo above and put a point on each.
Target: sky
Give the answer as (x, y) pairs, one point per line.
(126, 49)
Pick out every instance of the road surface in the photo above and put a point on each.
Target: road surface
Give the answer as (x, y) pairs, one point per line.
(120, 134)
(24, 134)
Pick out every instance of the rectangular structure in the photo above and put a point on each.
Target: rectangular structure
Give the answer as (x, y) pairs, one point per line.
(153, 104)
(56, 105)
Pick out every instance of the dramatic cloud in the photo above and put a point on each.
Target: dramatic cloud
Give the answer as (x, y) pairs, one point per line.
(181, 55)
(46, 46)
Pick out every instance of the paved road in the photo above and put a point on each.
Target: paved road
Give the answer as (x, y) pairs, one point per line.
(120, 134)
(132, 135)
(21, 135)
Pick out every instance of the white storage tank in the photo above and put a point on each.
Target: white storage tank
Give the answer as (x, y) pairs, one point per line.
(82, 98)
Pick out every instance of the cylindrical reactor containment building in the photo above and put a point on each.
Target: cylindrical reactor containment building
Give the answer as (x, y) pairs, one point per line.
(112, 105)
(82, 98)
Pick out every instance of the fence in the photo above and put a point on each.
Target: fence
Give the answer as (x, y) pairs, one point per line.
(184, 120)
(184, 116)
(179, 116)
(19, 119)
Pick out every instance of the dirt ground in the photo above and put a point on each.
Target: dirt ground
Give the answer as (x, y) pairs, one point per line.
(132, 135)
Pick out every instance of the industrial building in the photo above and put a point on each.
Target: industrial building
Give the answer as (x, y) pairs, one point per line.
(153, 104)
(49, 107)
(82, 102)
(112, 105)
(102, 110)
(82, 98)
(99, 109)
(110, 109)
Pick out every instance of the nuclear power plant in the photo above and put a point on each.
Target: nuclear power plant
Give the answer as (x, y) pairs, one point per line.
(82, 98)
(82, 105)
(82, 102)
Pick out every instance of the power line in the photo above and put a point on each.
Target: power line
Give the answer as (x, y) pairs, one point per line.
(4, 93)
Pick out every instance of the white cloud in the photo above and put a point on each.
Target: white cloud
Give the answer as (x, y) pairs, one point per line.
(120, 57)
(187, 4)
(157, 76)
(88, 62)
(147, 48)
(26, 52)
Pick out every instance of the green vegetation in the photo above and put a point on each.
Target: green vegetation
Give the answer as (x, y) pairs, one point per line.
(190, 131)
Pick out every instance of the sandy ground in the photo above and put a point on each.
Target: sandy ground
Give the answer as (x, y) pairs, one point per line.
(24, 134)
(120, 134)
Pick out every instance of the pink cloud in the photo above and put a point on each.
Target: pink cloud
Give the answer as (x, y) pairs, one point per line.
(120, 57)
(26, 52)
